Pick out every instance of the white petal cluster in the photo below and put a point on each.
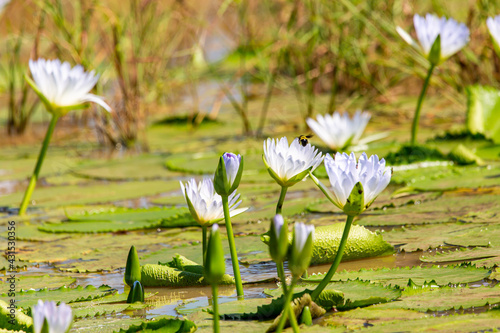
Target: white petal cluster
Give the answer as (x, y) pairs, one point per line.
(232, 163)
(65, 86)
(59, 317)
(454, 35)
(339, 130)
(278, 224)
(344, 172)
(207, 204)
(493, 24)
(302, 232)
(288, 161)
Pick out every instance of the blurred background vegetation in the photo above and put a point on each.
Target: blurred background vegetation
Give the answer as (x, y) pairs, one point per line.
(180, 60)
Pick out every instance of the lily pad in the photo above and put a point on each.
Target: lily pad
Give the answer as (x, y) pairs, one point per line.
(466, 254)
(119, 323)
(36, 282)
(419, 275)
(180, 272)
(90, 227)
(26, 299)
(445, 298)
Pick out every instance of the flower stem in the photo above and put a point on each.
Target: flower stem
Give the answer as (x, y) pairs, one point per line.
(287, 310)
(414, 127)
(336, 261)
(281, 275)
(215, 307)
(279, 206)
(204, 235)
(38, 166)
(232, 248)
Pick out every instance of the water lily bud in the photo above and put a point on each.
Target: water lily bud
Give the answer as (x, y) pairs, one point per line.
(288, 165)
(228, 174)
(133, 268)
(215, 265)
(306, 317)
(136, 293)
(278, 239)
(493, 24)
(301, 249)
(48, 317)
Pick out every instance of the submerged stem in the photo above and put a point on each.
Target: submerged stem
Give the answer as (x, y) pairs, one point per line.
(38, 166)
(414, 127)
(336, 261)
(232, 248)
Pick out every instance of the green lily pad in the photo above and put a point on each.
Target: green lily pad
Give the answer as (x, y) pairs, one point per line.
(466, 254)
(119, 323)
(445, 298)
(419, 275)
(36, 282)
(166, 325)
(30, 232)
(79, 195)
(361, 243)
(482, 322)
(26, 299)
(107, 305)
(180, 272)
(483, 103)
(480, 235)
(90, 227)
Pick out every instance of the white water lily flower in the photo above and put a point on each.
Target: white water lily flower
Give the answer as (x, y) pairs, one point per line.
(339, 130)
(290, 164)
(344, 172)
(58, 318)
(63, 86)
(493, 24)
(454, 35)
(205, 204)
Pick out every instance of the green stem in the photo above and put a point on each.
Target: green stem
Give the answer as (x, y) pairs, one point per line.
(286, 309)
(336, 262)
(414, 127)
(204, 235)
(281, 275)
(232, 248)
(38, 166)
(279, 206)
(215, 307)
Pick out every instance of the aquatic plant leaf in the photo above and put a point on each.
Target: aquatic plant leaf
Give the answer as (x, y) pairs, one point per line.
(64, 294)
(480, 235)
(129, 214)
(204, 321)
(20, 321)
(466, 254)
(362, 243)
(91, 227)
(361, 318)
(481, 322)
(116, 322)
(445, 298)
(180, 272)
(167, 325)
(442, 276)
(483, 116)
(55, 196)
(26, 282)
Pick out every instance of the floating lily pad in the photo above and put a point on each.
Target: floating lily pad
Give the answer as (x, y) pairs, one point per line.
(445, 298)
(119, 323)
(110, 304)
(36, 282)
(90, 227)
(481, 235)
(180, 272)
(80, 195)
(419, 275)
(26, 299)
(466, 254)
(482, 322)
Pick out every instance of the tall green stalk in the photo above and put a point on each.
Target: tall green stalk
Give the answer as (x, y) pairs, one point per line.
(336, 262)
(414, 127)
(281, 275)
(204, 235)
(288, 311)
(215, 308)
(279, 206)
(232, 248)
(38, 166)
